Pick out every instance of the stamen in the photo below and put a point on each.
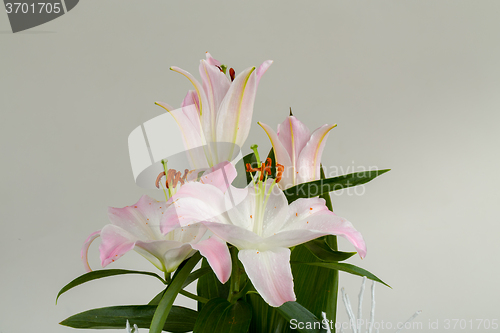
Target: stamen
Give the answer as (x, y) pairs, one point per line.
(279, 172)
(183, 178)
(267, 169)
(262, 170)
(231, 74)
(171, 178)
(160, 176)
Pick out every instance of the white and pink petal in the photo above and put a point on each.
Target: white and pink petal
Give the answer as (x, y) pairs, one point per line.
(218, 256)
(270, 274)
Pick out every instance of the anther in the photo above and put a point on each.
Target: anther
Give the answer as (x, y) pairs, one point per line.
(279, 172)
(231, 74)
(160, 176)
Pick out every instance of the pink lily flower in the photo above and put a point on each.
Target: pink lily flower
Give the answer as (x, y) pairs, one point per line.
(262, 226)
(223, 106)
(137, 227)
(297, 150)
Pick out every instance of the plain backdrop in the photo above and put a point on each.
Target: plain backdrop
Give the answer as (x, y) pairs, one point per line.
(413, 86)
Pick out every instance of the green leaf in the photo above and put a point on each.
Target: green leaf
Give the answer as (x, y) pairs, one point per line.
(265, 318)
(196, 275)
(355, 270)
(179, 319)
(324, 252)
(94, 275)
(314, 280)
(294, 313)
(209, 285)
(165, 305)
(318, 187)
(156, 300)
(221, 316)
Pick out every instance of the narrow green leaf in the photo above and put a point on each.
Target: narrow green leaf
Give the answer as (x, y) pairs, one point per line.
(355, 270)
(94, 275)
(163, 309)
(221, 316)
(265, 318)
(324, 252)
(196, 275)
(295, 313)
(313, 280)
(179, 319)
(318, 187)
(156, 300)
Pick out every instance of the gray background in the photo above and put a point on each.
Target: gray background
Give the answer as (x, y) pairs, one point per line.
(413, 85)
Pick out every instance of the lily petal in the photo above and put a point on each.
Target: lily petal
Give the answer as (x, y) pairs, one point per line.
(141, 220)
(310, 157)
(115, 243)
(235, 115)
(85, 249)
(193, 203)
(262, 69)
(318, 224)
(294, 136)
(166, 255)
(211, 60)
(218, 256)
(192, 99)
(270, 274)
(216, 84)
(202, 97)
(220, 176)
(189, 124)
(239, 237)
(281, 157)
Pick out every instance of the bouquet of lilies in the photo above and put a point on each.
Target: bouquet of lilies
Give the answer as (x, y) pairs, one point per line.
(258, 232)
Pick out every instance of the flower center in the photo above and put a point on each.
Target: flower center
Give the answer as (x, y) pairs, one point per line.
(262, 191)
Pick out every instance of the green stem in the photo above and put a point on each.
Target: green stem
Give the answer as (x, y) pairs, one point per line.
(171, 293)
(235, 276)
(193, 296)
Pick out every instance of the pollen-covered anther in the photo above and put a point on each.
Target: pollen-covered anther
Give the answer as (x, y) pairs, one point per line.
(232, 74)
(158, 179)
(173, 178)
(279, 172)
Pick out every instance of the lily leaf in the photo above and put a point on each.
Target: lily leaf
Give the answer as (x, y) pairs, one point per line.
(221, 316)
(196, 275)
(94, 275)
(265, 318)
(318, 187)
(179, 319)
(324, 252)
(294, 313)
(156, 300)
(355, 270)
(166, 302)
(209, 285)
